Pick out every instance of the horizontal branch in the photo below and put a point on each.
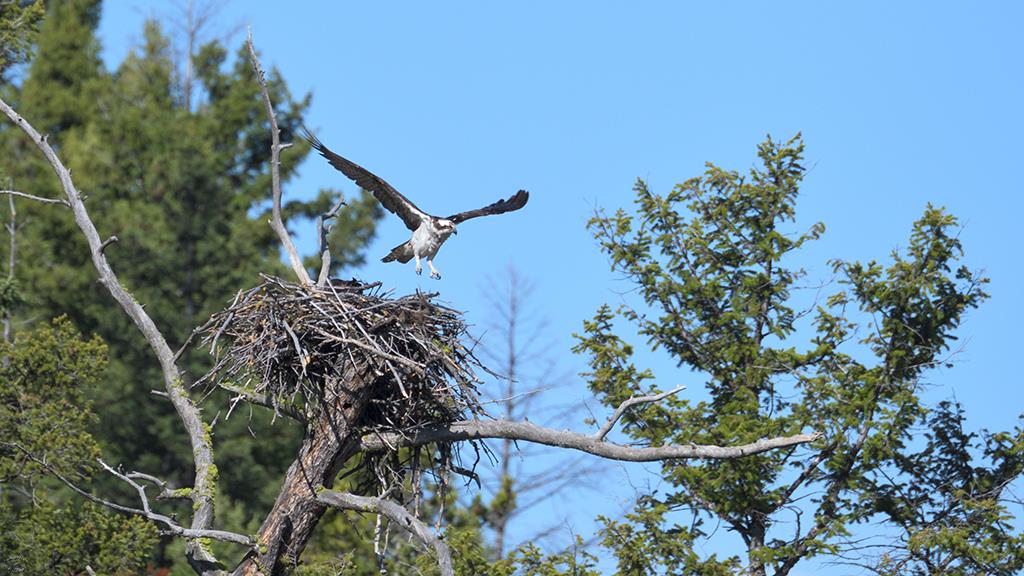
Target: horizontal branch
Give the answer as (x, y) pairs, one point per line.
(36, 198)
(396, 514)
(529, 432)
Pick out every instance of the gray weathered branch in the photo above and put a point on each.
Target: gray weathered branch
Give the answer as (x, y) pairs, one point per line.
(34, 197)
(396, 514)
(169, 525)
(166, 493)
(323, 229)
(529, 432)
(108, 242)
(629, 403)
(201, 559)
(275, 170)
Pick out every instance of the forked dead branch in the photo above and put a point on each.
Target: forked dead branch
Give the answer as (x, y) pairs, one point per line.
(365, 373)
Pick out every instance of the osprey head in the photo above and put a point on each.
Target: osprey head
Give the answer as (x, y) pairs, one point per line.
(446, 226)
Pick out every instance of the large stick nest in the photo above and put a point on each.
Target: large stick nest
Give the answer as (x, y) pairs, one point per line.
(283, 341)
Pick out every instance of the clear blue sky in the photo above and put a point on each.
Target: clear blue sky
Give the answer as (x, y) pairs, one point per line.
(458, 104)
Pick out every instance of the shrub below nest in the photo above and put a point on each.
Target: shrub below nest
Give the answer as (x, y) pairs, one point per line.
(285, 341)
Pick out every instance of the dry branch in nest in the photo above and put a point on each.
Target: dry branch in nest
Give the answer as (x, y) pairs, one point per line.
(283, 341)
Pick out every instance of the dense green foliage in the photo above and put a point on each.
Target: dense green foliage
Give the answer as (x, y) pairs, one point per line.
(44, 412)
(949, 504)
(18, 24)
(47, 376)
(187, 194)
(712, 263)
(46, 539)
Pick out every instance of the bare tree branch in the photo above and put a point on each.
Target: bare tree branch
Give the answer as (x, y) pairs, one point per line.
(527, 431)
(169, 525)
(108, 242)
(34, 197)
(629, 403)
(200, 558)
(323, 229)
(275, 170)
(165, 492)
(192, 19)
(396, 514)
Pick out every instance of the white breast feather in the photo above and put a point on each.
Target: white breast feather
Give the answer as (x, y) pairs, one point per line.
(427, 239)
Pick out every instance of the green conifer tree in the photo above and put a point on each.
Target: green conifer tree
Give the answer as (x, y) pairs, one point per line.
(61, 86)
(18, 25)
(185, 193)
(712, 262)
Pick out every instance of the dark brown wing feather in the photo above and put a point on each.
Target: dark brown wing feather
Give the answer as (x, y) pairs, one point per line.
(389, 197)
(517, 201)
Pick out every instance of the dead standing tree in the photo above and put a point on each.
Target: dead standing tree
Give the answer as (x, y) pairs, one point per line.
(364, 373)
(517, 341)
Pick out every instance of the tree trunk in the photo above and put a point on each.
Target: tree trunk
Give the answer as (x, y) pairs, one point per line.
(755, 533)
(329, 442)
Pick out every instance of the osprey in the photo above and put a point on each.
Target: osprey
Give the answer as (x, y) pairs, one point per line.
(428, 232)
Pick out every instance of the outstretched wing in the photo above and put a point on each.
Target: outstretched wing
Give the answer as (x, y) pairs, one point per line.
(517, 201)
(389, 197)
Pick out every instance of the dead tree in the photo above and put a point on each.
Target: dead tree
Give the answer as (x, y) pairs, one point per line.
(517, 343)
(366, 374)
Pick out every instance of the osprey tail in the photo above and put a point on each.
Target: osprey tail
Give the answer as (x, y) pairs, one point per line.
(403, 253)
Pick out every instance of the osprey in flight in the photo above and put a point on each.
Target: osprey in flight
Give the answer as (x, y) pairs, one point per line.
(428, 232)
